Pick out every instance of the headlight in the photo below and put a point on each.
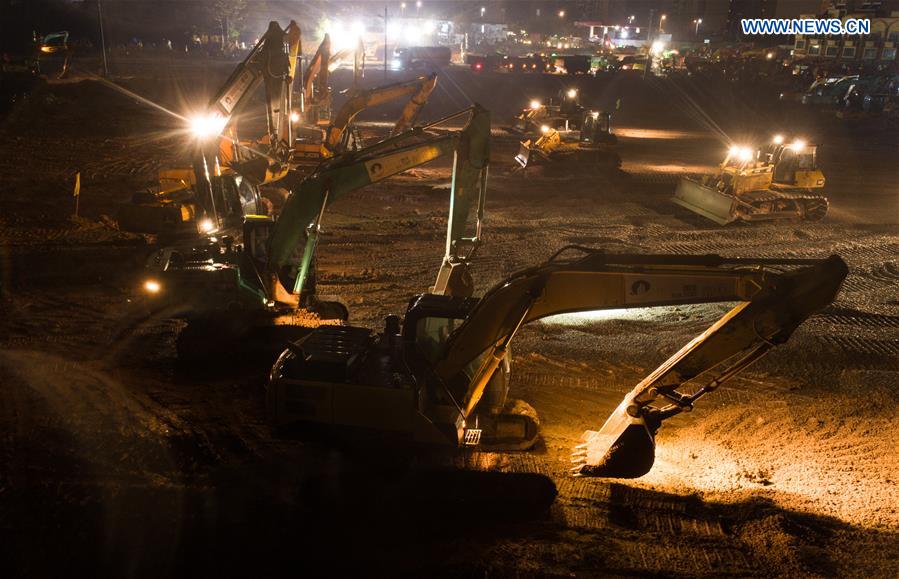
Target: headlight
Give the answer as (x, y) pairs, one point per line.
(151, 286)
(207, 125)
(535, 104)
(778, 139)
(544, 128)
(206, 225)
(572, 92)
(797, 145)
(294, 117)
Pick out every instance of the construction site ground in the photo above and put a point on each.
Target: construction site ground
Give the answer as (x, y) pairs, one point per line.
(117, 458)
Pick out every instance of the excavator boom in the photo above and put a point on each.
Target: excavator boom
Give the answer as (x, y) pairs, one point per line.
(302, 213)
(771, 304)
(419, 89)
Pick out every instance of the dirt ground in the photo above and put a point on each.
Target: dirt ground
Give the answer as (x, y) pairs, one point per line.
(118, 459)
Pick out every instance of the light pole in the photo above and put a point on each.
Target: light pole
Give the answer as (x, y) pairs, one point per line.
(418, 8)
(561, 14)
(102, 39)
(482, 12)
(662, 23)
(697, 22)
(403, 9)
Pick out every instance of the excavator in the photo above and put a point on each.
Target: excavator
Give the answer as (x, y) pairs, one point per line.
(222, 185)
(265, 286)
(337, 138)
(440, 375)
(777, 184)
(593, 149)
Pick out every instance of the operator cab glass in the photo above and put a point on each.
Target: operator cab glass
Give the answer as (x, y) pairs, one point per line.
(256, 231)
(792, 161)
(596, 124)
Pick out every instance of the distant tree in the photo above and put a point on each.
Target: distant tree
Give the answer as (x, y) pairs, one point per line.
(230, 14)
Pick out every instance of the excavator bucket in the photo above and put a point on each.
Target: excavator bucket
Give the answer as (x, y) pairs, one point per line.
(623, 448)
(524, 154)
(705, 201)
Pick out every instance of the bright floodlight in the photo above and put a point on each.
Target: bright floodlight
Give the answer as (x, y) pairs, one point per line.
(294, 117)
(344, 36)
(535, 104)
(544, 128)
(745, 153)
(207, 125)
(152, 286)
(572, 92)
(657, 47)
(797, 145)
(206, 226)
(778, 139)
(734, 150)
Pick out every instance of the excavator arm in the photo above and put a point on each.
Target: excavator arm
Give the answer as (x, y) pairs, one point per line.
(419, 89)
(771, 304)
(272, 62)
(316, 90)
(302, 214)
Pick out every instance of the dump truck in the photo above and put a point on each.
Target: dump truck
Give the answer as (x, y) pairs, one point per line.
(756, 185)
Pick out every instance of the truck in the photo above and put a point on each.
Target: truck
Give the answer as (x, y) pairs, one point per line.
(413, 57)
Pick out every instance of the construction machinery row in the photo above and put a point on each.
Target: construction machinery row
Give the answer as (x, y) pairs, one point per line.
(440, 374)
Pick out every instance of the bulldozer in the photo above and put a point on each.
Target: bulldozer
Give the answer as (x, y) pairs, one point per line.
(440, 375)
(593, 149)
(563, 114)
(758, 185)
(261, 290)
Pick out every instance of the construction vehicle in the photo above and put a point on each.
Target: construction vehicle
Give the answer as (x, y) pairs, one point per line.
(222, 185)
(562, 114)
(53, 45)
(228, 291)
(413, 57)
(313, 115)
(759, 186)
(441, 374)
(340, 137)
(593, 149)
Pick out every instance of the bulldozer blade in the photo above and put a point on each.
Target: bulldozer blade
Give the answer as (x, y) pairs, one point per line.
(524, 154)
(623, 448)
(704, 201)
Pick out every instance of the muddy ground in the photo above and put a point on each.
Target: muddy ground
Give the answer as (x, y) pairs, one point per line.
(119, 460)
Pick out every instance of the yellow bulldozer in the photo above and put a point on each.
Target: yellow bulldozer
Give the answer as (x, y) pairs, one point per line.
(594, 147)
(759, 185)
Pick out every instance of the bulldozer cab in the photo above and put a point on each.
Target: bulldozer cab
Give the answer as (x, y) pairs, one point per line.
(789, 163)
(596, 127)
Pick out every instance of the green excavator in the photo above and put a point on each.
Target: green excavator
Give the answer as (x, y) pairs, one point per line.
(265, 285)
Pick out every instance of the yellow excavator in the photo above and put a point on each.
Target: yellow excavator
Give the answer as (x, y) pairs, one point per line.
(757, 185)
(337, 138)
(221, 185)
(440, 375)
(594, 148)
